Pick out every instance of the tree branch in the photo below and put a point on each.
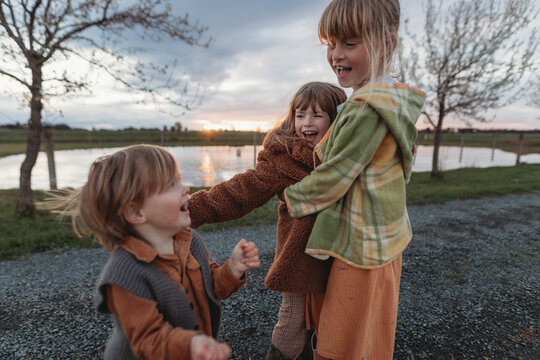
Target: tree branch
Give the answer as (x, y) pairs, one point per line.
(2, 72)
(17, 38)
(30, 24)
(428, 116)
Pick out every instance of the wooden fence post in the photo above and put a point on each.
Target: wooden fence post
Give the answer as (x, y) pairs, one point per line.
(49, 149)
(520, 148)
(493, 143)
(254, 149)
(461, 150)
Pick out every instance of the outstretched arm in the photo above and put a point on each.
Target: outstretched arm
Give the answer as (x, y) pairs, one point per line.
(238, 196)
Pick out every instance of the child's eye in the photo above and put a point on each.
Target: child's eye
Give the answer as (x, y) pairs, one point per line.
(176, 182)
(352, 42)
(329, 43)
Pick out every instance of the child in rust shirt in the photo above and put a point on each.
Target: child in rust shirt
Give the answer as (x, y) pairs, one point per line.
(158, 283)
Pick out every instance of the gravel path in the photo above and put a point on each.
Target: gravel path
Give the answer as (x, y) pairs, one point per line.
(470, 290)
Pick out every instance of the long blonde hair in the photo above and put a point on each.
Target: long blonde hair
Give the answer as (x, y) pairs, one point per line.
(327, 96)
(129, 175)
(376, 22)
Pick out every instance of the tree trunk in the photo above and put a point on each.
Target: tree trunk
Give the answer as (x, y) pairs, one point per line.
(25, 204)
(49, 149)
(435, 171)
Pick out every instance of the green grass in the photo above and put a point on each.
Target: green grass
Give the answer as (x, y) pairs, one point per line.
(42, 231)
(45, 232)
(13, 142)
(503, 141)
(473, 182)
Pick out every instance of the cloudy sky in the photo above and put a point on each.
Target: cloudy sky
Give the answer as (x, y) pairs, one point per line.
(261, 53)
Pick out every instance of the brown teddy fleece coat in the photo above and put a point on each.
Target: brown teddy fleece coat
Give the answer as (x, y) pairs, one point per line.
(278, 166)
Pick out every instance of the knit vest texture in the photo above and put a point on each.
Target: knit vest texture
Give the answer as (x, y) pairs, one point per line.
(148, 282)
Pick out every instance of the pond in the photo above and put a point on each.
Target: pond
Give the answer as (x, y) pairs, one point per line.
(208, 165)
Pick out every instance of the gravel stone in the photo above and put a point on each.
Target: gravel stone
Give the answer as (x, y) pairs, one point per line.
(469, 290)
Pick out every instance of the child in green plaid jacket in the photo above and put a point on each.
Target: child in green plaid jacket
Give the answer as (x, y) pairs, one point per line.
(358, 192)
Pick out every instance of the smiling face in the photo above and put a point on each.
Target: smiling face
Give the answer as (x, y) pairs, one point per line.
(166, 212)
(311, 124)
(350, 61)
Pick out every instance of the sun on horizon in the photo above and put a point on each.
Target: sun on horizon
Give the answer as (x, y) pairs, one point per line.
(236, 125)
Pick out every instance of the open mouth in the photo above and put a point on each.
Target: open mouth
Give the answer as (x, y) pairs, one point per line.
(342, 71)
(310, 136)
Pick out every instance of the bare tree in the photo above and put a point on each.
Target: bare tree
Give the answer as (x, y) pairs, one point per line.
(38, 33)
(473, 57)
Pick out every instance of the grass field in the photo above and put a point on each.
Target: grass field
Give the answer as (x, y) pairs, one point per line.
(503, 141)
(46, 232)
(13, 141)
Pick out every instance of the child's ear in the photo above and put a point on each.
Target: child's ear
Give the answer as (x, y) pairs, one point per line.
(133, 214)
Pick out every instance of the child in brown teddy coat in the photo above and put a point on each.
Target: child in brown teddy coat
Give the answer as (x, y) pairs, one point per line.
(287, 157)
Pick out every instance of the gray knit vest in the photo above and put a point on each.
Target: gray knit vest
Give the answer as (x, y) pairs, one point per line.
(148, 282)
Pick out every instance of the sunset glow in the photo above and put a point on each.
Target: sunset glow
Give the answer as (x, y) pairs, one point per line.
(236, 125)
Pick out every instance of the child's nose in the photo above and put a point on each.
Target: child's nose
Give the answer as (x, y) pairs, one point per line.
(337, 52)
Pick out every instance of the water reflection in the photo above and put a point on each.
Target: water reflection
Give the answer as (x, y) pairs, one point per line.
(207, 168)
(210, 165)
(452, 157)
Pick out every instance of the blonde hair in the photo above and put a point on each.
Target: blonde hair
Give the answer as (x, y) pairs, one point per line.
(327, 96)
(129, 175)
(375, 22)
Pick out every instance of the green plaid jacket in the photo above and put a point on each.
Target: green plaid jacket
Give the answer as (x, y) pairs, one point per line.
(358, 190)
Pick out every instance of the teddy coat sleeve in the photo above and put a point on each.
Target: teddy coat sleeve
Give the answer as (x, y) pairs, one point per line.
(234, 198)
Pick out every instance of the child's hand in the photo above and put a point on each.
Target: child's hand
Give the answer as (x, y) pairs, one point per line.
(204, 347)
(245, 256)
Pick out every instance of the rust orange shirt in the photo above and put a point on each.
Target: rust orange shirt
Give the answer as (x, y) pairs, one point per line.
(149, 334)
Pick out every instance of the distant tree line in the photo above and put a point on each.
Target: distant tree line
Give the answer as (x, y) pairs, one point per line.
(481, 131)
(174, 128)
(19, 125)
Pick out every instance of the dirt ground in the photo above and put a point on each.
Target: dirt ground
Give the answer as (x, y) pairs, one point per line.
(470, 289)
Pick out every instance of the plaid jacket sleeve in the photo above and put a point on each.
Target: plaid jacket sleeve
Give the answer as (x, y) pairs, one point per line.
(349, 152)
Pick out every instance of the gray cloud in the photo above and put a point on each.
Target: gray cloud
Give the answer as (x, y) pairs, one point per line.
(261, 53)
